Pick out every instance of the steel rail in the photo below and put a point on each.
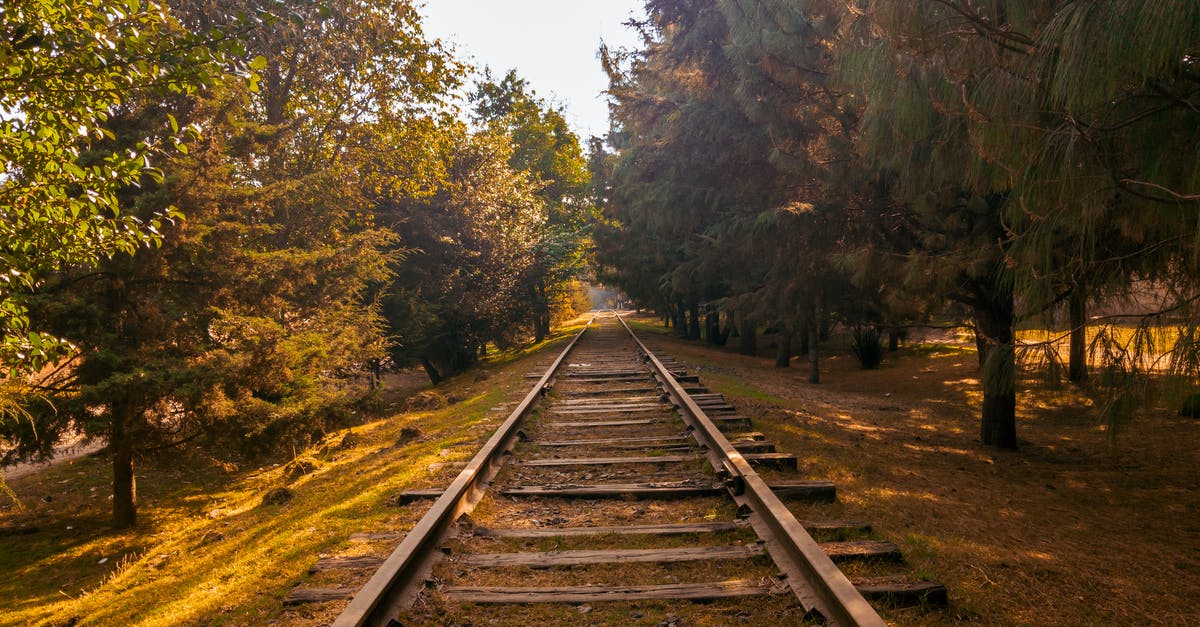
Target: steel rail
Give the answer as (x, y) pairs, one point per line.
(824, 587)
(394, 585)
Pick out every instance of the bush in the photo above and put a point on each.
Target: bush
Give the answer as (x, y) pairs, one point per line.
(867, 347)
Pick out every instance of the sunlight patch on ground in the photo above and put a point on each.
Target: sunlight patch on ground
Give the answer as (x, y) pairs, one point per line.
(898, 494)
(946, 450)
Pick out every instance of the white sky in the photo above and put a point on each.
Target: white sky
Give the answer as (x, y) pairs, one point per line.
(551, 43)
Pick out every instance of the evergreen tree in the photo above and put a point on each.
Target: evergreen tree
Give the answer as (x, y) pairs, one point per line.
(248, 329)
(1047, 131)
(65, 66)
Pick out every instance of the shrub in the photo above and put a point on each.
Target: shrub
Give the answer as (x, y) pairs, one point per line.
(867, 347)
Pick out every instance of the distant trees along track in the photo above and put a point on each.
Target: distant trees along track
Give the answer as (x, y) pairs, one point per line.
(652, 433)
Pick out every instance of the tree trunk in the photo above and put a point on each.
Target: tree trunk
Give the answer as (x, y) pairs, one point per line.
(1078, 368)
(679, 313)
(431, 371)
(814, 351)
(124, 482)
(541, 312)
(814, 327)
(712, 326)
(783, 352)
(694, 321)
(893, 339)
(994, 337)
(748, 335)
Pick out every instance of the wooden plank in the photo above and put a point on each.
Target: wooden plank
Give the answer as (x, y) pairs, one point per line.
(720, 411)
(618, 399)
(649, 445)
(547, 559)
(617, 490)
(300, 596)
(606, 461)
(750, 446)
(837, 526)
(595, 594)
(595, 393)
(820, 491)
(608, 374)
(646, 441)
(862, 550)
(605, 423)
(600, 381)
(633, 530)
(782, 461)
(730, 422)
(615, 409)
(357, 562)
(892, 593)
(611, 403)
(409, 496)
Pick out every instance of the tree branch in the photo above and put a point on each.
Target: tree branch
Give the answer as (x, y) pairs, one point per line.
(1170, 192)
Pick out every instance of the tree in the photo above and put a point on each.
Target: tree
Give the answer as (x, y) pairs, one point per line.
(252, 327)
(471, 243)
(687, 161)
(1052, 125)
(67, 66)
(546, 150)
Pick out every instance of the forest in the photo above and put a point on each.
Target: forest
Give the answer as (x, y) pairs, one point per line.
(224, 221)
(1003, 165)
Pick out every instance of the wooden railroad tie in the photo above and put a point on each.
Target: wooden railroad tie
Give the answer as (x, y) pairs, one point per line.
(812, 491)
(593, 594)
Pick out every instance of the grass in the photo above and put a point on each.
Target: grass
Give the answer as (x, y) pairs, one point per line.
(208, 549)
(1070, 530)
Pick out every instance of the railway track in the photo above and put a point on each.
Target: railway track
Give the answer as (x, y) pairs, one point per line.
(622, 489)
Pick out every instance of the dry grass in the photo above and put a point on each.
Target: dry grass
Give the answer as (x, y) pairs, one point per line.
(1070, 530)
(208, 549)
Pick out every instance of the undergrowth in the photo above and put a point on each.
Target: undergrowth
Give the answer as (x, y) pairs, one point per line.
(209, 548)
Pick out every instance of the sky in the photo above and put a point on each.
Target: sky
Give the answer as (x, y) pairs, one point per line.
(551, 43)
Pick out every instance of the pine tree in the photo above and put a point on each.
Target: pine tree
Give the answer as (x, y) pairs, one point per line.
(251, 328)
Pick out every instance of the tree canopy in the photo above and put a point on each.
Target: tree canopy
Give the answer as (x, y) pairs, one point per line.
(986, 161)
(314, 207)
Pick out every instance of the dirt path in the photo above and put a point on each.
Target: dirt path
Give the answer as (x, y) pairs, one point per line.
(75, 448)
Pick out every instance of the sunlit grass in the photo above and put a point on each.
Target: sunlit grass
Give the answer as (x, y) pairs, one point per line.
(208, 550)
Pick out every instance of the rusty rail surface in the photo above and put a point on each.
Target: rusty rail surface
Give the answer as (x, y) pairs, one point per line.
(817, 582)
(396, 582)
